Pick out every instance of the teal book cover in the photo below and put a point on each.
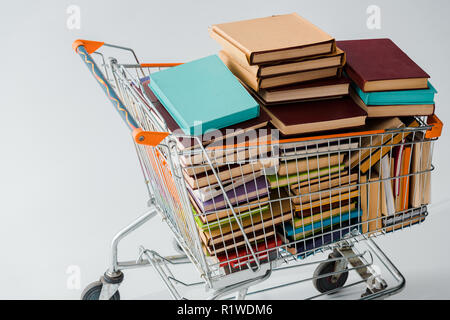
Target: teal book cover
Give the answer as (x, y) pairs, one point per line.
(290, 231)
(399, 97)
(202, 95)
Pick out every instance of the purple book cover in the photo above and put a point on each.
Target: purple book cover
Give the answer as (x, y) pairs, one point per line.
(244, 193)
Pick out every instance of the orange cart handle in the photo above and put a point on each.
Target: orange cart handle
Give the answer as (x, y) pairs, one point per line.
(436, 127)
(84, 48)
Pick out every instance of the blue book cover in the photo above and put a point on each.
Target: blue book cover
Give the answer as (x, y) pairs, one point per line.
(322, 224)
(399, 97)
(202, 95)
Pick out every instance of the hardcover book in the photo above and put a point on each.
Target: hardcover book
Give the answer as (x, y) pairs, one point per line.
(243, 209)
(334, 59)
(249, 191)
(274, 38)
(243, 256)
(322, 88)
(231, 246)
(257, 83)
(384, 111)
(315, 116)
(305, 230)
(369, 143)
(326, 237)
(212, 136)
(397, 97)
(380, 65)
(277, 181)
(309, 163)
(202, 95)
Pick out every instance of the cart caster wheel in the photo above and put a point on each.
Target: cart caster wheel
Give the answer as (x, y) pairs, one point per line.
(329, 283)
(92, 292)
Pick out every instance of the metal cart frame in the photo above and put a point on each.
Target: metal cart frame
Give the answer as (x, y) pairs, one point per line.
(160, 162)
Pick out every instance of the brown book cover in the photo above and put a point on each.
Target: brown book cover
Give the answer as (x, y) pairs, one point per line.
(274, 38)
(309, 212)
(379, 65)
(316, 116)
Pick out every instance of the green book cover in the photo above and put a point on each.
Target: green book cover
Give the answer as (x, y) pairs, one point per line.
(227, 220)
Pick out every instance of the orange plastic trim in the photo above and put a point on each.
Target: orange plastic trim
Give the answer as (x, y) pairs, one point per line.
(90, 46)
(436, 127)
(148, 138)
(159, 65)
(338, 135)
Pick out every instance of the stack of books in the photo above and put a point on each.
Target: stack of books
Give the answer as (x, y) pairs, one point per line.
(385, 81)
(187, 98)
(286, 71)
(399, 201)
(323, 192)
(293, 68)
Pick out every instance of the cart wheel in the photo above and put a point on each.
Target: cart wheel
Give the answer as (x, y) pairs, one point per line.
(177, 246)
(329, 283)
(92, 292)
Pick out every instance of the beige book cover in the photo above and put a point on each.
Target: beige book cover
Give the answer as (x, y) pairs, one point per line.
(420, 183)
(309, 164)
(274, 38)
(207, 178)
(381, 152)
(374, 140)
(324, 194)
(371, 204)
(337, 198)
(332, 182)
(257, 83)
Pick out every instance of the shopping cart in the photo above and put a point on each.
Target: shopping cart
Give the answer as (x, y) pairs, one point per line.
(241, 246)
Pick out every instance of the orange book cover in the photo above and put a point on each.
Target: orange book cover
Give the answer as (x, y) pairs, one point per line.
(406, 164)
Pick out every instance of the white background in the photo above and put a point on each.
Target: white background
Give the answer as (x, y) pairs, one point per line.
(69, 176)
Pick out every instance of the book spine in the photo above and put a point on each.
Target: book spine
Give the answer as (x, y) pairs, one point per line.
(355, 77)
(229, 44)
(239, 71)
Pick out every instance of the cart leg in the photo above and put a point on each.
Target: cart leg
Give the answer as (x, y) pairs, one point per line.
(113, 277)
(373, 280)
(241, 294)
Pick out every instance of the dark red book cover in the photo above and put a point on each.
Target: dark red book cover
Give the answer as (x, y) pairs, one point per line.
(316, 111)
(378, 59)
(243, 255)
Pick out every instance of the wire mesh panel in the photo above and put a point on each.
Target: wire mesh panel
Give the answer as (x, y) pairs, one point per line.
(237, 200)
